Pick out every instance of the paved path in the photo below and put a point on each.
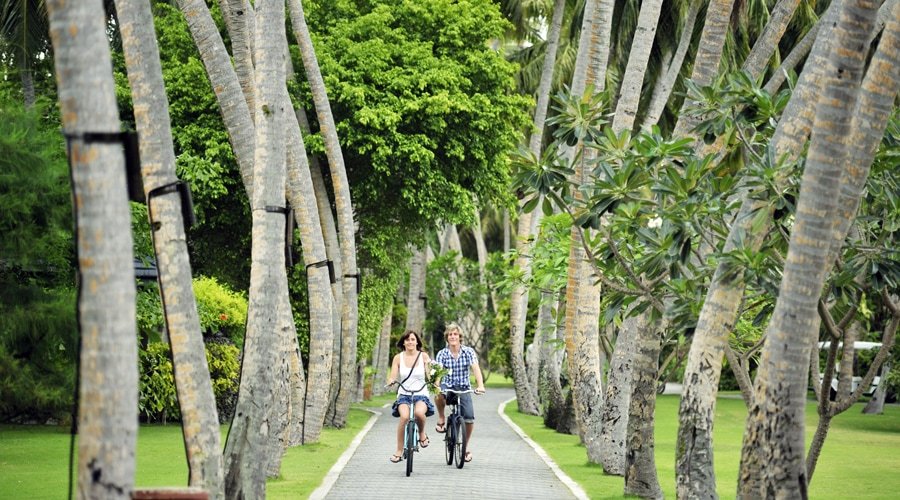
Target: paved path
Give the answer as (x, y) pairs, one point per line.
(504, 465)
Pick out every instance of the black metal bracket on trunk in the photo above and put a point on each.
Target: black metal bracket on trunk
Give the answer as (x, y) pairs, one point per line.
(288, 231)
(187, 203)
(129, 142)
(323, 263)
(358, 282)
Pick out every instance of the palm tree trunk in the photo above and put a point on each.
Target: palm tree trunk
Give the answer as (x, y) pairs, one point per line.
(797, 53)
(619, 382)
(107, 412)
(601, 31)
(246, 448)
(280, 414)
(582, 294)
(382, 362)
(26, 75)
(772, 455)
(200, 421)
(351, 278)
(527, 224)
(796, 122)
(667, 82)
(765, 45)
(694, 467)
(518, 311)
(321, 300)
(415, 302)
(633, 81)
(706, 62)
(225, 84)
(695, 475)
(640, 465)
(550, 388)
(873, 109)
(298, 381)
(333, 253)
(240, 21)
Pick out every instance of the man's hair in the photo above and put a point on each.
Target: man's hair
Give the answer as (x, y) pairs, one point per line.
(450, 327)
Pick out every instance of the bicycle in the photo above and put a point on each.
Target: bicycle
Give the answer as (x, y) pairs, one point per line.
(456, 438)
(410, 434)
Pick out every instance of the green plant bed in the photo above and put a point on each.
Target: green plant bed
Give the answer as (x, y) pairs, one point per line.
(34, 460)
(860, 457)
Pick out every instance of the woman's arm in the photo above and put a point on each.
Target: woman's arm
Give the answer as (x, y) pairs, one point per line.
(395, 368)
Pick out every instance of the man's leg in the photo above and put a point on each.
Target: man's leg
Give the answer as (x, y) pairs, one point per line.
(467, 408)
(439, 402)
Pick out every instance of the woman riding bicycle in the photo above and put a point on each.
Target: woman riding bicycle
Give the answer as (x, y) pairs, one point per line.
(408, 370)
(459, 359)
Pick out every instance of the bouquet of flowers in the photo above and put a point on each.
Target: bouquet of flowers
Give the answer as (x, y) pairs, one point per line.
(433, 376)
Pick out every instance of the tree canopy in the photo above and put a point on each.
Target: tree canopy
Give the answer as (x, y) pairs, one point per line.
(425, 108)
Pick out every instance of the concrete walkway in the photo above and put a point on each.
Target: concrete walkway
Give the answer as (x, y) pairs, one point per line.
(505, 464)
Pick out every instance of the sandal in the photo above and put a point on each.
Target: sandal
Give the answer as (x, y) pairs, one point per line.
(424, 442)
(440, 428)
(468, 456)
(396, 458)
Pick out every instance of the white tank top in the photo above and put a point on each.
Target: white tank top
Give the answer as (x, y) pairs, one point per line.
(416, 381)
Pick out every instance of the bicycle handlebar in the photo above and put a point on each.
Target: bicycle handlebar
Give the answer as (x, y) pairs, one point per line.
(467, 391)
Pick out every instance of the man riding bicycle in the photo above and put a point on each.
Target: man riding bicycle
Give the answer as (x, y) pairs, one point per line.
(459, 360)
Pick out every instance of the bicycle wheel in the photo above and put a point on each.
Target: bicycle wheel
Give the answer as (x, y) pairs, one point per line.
(449, 440)
(460, 442)
(410, 446)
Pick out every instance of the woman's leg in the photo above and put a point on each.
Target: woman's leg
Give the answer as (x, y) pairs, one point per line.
(420, 410)
(401, 425)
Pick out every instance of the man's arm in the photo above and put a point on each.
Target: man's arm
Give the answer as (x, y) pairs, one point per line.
(476, 369)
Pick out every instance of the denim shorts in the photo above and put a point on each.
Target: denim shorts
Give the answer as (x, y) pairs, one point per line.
(404, 399)
(466, 408)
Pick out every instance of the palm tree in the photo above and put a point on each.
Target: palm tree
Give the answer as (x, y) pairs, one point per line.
(709, 54)
(772, 455)
(617, 398)
(107, 412)
(767, 42)
(415, 301)
(873, 110)
(640, 464)
(582, 292)
(240, 20)
(321, 300)
(382, 356)
(246, 449)
(195, 394)
(23, 30)
(527, 225)
(664, 85)
(694, 462)
(351, 279)
(633, 80)
(223, 78)
(332, 252)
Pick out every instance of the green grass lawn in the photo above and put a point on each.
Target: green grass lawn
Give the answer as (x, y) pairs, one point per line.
(34, 460)
(860, 459)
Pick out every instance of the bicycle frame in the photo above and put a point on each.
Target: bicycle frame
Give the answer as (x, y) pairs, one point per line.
(410, 433)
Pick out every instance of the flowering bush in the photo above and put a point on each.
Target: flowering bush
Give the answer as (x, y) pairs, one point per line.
(433, 376)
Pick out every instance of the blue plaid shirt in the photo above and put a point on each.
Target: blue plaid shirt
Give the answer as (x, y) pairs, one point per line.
(459, 367)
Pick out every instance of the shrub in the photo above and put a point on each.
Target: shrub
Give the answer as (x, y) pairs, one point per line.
(158, 401)
(223, 312)
(225, 371)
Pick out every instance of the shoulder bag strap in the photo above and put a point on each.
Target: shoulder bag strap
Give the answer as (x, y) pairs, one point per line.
(411, 369)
